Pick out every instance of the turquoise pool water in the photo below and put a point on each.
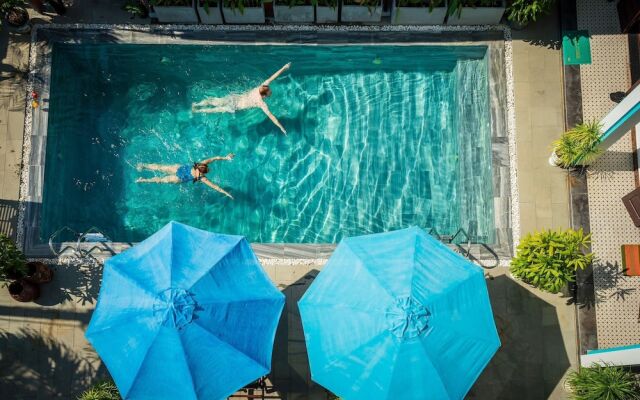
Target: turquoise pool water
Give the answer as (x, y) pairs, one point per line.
(379, 138)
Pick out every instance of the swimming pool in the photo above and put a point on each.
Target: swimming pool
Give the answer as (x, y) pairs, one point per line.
(379, 138)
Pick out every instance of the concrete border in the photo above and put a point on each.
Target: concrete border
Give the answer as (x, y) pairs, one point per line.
(514, 214)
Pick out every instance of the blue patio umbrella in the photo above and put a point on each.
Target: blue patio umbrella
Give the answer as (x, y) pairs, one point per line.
(185, 314)
(398, 316)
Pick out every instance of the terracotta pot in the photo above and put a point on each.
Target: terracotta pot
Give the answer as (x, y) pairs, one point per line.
(38, 272)
(23, 291)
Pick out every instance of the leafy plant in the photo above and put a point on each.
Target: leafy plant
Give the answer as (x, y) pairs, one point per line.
(549, 259)
(206, 4)
(326, 3)
(603, 382)
(455, 6)
(240, 5)
(525, 11)
(105, 390)
(136, 9)
(12, 262)
(370, 4)
(578, 146)
(8, 5)
(294, 3)
(170, 3)
(420, 3)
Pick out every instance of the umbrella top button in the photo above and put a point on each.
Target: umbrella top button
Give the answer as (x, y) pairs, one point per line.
(407, 318)
(174, 307)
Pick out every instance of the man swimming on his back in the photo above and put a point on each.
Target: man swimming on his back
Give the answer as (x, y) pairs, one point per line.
(254, 98)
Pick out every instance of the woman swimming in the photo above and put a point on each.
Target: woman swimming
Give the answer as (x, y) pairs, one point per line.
(177, 173)
(254, 98)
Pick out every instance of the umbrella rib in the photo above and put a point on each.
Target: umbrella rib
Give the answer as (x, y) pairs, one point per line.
(210, 303)
(230, 345)
(435, 368)
(127, 320)
(146, 353)
(135, 282)
(333, 362)
(193, 385)
(375, 278)
(208, 270)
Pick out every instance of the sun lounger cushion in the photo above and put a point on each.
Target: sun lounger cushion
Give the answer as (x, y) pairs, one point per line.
(631, 259)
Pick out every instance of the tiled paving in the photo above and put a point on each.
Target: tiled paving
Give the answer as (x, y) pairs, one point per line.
(617, 297)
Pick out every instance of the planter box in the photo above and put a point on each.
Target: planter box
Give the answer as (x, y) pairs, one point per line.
(418, 15)
(213, 18)
(478, 16)
(353, 13)
(181, 15)
(295, 14)
(326, 15)
(251, 15)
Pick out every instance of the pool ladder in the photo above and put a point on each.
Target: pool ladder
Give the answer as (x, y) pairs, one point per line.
(461, 233)
(79, 247)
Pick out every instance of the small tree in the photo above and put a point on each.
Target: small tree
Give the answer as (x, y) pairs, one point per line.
(549, 259)
(105, 390)
(603, 382)
(13, 264)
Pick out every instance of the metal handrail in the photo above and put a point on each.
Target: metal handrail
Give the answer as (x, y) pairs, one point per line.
(449, 239)
(91, 235)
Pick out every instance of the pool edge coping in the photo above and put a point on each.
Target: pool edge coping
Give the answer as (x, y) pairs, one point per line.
(508, 70)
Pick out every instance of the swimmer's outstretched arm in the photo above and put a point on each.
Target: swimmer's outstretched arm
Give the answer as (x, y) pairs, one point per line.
(218, 158)
(273, 118)
(274, 76)
(215, 187)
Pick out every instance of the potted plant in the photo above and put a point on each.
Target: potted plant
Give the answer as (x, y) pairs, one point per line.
(179, 11)
(475, 12)
(243, 11)
(13, 265)
(326, 11)
(603, 382)
(548, 260)
(361, 11)
(577, 146)
(418, 12)
(297, 11)
(209, 12)
(521, 12)
(23, 276)
(15, 14)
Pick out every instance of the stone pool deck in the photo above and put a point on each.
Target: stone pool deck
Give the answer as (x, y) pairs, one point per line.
(43, 351)
(45, 355)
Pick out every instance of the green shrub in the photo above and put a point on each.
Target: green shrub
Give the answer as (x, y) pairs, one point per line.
(549, 259)
(525, 11)
(578, 146)
(12, 261)
(105, 390)
(603, 383)
(421, 3)
(455, 6)
(170, 3)
(240, 5)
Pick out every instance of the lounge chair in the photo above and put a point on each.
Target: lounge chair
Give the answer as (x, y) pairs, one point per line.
(631, 259)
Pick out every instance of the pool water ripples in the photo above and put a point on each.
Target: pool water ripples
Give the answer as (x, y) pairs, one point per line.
(371, 146)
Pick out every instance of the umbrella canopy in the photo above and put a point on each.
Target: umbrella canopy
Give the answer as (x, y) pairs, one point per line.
(398, 316)
(185, 314)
